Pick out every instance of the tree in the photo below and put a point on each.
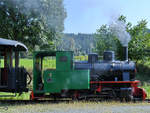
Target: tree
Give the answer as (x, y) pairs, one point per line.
(82, 43)
(33, 22)
(140, 40)
(106, 40)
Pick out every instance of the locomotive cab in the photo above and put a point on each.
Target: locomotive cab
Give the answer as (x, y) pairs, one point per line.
(57, 75)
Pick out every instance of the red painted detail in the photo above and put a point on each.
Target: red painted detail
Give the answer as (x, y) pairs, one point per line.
(133, 83)
(32, 96)
(99, 88)
(144, 94)
(138, 92)
(135, 90)
(114, 82)
(76, 94)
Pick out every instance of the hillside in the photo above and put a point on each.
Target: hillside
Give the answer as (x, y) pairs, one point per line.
(79, 43)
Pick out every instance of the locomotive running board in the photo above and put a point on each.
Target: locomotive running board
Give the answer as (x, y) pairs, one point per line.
(110, 82)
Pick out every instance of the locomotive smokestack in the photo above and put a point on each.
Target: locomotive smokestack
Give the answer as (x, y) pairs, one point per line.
(125, 52)
(119, 29)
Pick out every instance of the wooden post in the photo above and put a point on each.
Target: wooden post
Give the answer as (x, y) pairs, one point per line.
(5, 59)
(10, 58)
(16, 59)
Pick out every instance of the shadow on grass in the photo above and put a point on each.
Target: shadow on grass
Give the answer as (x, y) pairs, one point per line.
(143, 73)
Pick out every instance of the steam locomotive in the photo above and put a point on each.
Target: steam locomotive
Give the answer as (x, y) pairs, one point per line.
(90, 79)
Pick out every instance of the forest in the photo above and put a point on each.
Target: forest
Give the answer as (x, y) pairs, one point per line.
(80, 43)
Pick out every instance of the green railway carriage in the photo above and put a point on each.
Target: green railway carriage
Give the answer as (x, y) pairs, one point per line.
(62, 77)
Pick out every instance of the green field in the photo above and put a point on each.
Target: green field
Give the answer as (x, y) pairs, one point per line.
(27, 63)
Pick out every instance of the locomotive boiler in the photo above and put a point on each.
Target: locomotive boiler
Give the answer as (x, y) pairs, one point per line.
(108, 69)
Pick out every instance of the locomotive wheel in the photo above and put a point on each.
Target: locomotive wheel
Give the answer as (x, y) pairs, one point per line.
(129, 99)
(74, 98)
(121, 99)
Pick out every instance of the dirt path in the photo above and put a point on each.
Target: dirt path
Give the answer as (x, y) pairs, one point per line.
(79, 107)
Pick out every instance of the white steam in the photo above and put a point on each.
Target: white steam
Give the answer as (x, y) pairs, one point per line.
(119, 29)
(29, 4)
(51, 11)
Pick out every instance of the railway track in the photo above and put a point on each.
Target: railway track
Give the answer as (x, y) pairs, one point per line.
(58, 101)
(32, 102)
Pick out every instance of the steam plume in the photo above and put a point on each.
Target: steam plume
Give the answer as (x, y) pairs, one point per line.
(51, 11)
(119, 29)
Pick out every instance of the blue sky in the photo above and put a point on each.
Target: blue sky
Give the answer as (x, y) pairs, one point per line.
(85, 16)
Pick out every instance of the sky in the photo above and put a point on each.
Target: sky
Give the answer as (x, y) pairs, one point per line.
(85, 16)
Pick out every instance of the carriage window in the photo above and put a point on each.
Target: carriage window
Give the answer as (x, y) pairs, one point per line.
(1, 61)
(49, 62)
(38, 64)
(63, 59)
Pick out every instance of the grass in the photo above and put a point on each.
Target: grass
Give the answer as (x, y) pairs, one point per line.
(13, 96)
(81, 58)
(27, 63)
(147, 89)
(143, 76)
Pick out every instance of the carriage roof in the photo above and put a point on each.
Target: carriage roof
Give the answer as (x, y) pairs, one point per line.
(15, 45)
